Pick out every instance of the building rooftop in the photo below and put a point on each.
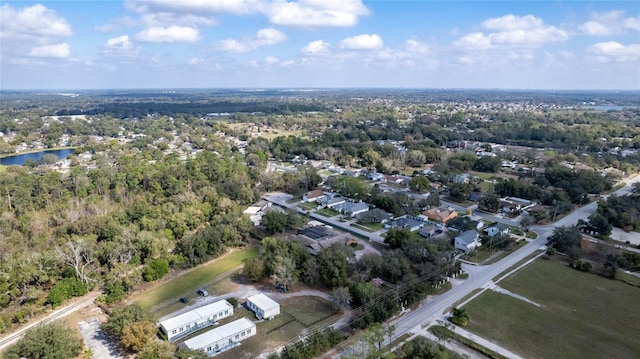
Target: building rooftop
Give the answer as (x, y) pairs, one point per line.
(195, 314)
(219, 333)
(468, 237)
(262, 301)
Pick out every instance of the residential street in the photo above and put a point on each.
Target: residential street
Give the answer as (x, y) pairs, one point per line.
(434, 308)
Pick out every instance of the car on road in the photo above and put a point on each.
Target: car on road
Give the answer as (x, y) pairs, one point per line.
(203, 292)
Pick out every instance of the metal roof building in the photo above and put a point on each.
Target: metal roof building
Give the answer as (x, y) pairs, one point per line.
(186, 323)
(223, 338)
(263, 306)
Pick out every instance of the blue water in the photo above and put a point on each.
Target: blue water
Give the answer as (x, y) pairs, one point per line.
(21, 159)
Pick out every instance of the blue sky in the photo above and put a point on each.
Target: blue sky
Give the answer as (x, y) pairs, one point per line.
(320, 43)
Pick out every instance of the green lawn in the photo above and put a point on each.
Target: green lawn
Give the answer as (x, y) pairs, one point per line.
(486, 186)
(187, 283)
(310, 205)
(369, 227)
(327, 212)
(297, 313)
(582, 315)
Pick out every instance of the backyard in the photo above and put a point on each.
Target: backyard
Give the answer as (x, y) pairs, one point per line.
(582, 315)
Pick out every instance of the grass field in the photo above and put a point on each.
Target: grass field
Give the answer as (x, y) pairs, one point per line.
(327, 212)
(369, 227)
(187, 283)
(582, 315)
(297, 313)
(310, 205)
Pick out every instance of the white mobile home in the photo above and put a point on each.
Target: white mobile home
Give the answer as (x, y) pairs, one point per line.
(222, 338)
(196, 319)
(263, 306)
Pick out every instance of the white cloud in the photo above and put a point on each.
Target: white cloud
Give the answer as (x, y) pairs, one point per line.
(169, 34)
(315, 13)
(513, 22)
(120, 42)
(237, 7)
(120, 46)
(263, 37)
(301, 13)
(512, 31)
(362, 42)
(270, 36)
(613, 51)
(56, 51)
(610, 23)
(36, 20)
(595, 28)
(316, 47)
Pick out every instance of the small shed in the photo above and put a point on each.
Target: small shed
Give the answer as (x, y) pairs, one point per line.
(263, 306)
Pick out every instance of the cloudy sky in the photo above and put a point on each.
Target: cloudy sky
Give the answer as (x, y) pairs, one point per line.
(319, 43)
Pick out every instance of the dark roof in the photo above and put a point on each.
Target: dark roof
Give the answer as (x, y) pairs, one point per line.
(318, 232)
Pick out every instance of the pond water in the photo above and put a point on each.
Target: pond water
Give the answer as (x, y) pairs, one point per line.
(21, 159)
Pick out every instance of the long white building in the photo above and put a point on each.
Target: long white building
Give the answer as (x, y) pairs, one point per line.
(186, 323)
(222, 338)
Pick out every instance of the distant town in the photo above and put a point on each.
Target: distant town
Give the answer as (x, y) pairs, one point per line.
(320, 223)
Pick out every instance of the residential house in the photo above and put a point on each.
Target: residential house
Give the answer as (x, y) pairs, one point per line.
(220, 339)
(330, 202)
(440, 214)
(432, 232)
(406, 221)
(352, 209)
(263, 306)
(257, 210)
(498, 228)
(467, 241)
(375, 176)
(383, 216)
(462, 178)
(313, 196)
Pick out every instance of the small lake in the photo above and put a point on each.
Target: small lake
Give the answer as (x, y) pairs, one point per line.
(21, 159)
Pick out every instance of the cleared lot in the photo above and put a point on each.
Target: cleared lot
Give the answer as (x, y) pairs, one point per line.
(582, 315)
(97, 340)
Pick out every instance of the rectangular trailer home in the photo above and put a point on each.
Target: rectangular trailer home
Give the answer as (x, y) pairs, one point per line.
(184, 324)
(222, 338)
(263, 306)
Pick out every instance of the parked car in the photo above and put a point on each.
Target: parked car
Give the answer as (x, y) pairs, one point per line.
(203, 292)
(184, 300)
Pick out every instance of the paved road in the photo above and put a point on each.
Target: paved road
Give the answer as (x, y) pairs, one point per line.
(433, 309)
(57, 314)
(281, 199)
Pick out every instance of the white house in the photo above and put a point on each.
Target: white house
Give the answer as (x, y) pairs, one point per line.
(186, 323)
(223, 338)
(263, 306)
(467, 241)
